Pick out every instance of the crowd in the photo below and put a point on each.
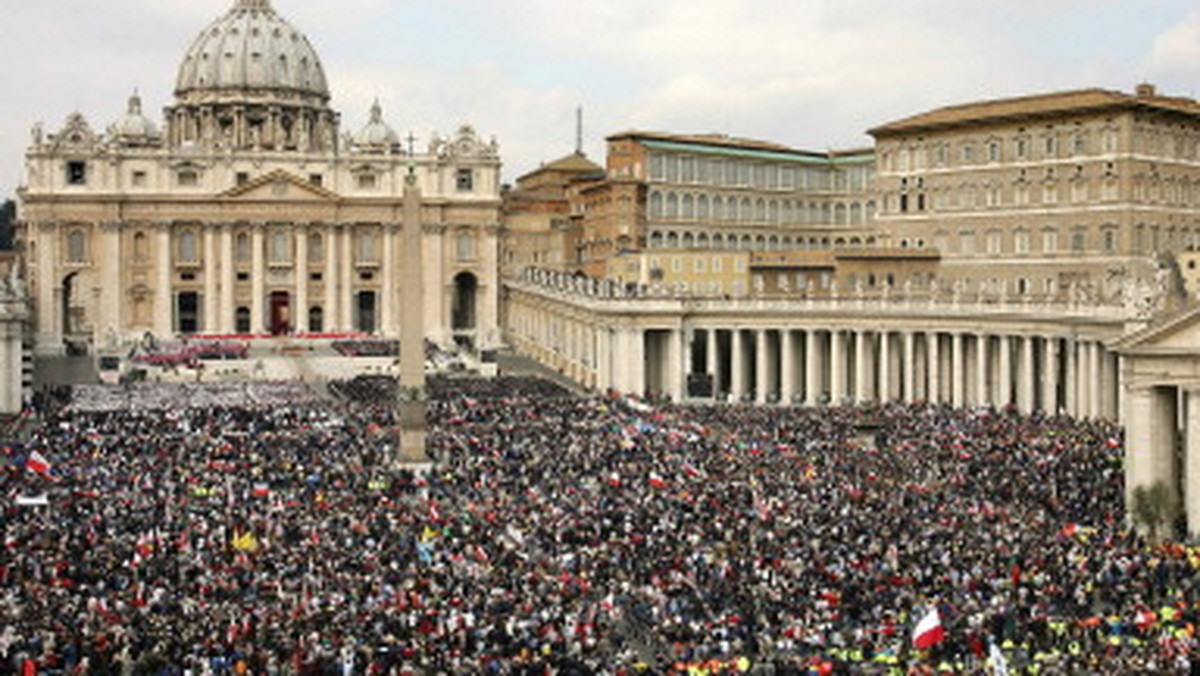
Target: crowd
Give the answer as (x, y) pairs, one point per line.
(576, 536)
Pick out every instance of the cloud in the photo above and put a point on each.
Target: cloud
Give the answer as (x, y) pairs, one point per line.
(809, 73)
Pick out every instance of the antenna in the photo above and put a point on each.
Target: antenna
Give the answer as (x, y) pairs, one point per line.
(579, 130)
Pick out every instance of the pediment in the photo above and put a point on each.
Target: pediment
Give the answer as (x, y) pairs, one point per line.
(280, 186)
(1178, 334)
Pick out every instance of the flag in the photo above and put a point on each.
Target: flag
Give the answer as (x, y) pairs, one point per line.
(38, 463)
(929, 631)
(33, 501)
(657, 481)
(997, 660)
(262, 490)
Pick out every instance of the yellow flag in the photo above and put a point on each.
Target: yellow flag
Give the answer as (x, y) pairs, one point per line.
(246, 542)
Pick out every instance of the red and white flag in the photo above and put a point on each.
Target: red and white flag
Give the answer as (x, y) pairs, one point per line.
(929, 631)
(657, 481)
(38, 463)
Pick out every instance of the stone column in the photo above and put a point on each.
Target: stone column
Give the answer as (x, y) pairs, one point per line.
(1072, 377)
(1025, 376)
(1191, 499)
(111, 289)
(813, 369)
(300, 298)
(604, 380)
(837, 367)
(436, 320)
(211, 313)
(762, 375)
(387, 301)
(673, 384)
(712, 354)
(1109, 383)
(909, 367)
(164, 310)
(687, 336)
(635, 368)
(885, 367)
(227, 280)
(957, 372)
(982, 369)
(933, 364)
(1005, 396)
(1095, 382)
(737, 364)
(258, 275)
(861, 364)
(347, 300)
(787, 367)
(1050, 375)
(332, 310)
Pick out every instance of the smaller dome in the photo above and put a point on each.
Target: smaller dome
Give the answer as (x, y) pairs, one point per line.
(376, 135)
(134, 126)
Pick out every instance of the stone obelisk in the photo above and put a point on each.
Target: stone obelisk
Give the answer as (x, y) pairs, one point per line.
(411, 395)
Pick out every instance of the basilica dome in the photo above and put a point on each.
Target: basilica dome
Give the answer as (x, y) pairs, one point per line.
(251, 53)
(377, 135)
(134, 127)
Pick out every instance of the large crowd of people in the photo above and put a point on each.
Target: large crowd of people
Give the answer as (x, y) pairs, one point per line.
(244, 534)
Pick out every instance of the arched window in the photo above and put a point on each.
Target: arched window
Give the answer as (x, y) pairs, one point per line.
(656, 240)
(760, 211)
(672, 240)
(656, 202)
(702, 211)
(689, 207)
(718, 209)
(718, 241)
(746, 212)
(702, 241)
(672, 205)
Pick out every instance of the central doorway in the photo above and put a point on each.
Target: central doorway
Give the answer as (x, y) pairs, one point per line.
(281, 315)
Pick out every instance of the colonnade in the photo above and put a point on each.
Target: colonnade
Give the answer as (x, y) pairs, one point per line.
(1002, 363)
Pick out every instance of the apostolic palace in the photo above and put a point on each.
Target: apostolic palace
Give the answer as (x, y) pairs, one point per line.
(1035, 252)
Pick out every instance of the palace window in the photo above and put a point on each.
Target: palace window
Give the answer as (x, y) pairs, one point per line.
(187, 178)
(465, 180)
(76, 173)
(367, 181)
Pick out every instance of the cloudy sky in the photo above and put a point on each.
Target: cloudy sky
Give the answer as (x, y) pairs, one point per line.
(809, 73)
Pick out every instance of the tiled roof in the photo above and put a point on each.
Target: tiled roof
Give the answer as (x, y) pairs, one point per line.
(731, 143)
(1035, 106)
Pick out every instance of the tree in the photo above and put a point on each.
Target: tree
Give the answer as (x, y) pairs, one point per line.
(1154, 508)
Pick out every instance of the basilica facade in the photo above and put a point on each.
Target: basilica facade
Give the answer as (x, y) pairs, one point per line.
(248, 211)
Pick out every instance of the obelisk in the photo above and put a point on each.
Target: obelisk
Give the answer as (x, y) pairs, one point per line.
(411, 393)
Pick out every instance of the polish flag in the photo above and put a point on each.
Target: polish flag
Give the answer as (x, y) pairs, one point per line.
(657, 481)
(38, 463)
(929, 631)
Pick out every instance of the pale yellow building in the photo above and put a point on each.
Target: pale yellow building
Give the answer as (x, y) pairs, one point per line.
(248, 211)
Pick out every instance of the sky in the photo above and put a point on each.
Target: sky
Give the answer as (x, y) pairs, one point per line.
(813, 74)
